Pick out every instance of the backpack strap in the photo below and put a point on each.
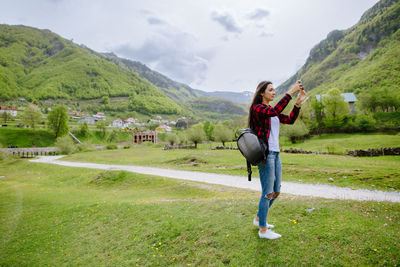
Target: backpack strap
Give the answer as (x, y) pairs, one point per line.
(249, 172)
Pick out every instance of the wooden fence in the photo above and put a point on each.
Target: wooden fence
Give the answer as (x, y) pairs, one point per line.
(31, 152)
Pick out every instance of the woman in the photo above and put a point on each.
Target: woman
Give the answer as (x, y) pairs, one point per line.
(264, 120)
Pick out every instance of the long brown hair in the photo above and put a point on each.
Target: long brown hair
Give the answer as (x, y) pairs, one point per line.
(257, 98)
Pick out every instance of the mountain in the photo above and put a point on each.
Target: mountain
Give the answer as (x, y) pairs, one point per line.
(38, 64)
(174, 90)
(216, 108)
(242, 97)
(361, 59)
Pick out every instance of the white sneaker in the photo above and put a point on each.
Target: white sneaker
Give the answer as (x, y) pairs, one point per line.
(269, 234)
(255, 223)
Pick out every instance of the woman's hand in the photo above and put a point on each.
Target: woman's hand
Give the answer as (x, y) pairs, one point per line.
(298, 86)
(300, 98)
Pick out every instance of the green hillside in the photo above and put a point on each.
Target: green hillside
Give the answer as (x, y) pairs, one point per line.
(216, 108)
(362, 59)
(38, 64)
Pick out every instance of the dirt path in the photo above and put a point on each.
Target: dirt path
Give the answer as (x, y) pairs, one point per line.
(314, 190)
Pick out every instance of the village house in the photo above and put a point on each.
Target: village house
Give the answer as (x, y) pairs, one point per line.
(131, 121)
(163, 129)
(76, 113)
(86, 118)
(118, 123)
(172, 123)
(181, 124)
(152, 121)
(10, 110)
(99, 116)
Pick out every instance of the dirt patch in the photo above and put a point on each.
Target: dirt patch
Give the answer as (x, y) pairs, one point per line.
(187, 160)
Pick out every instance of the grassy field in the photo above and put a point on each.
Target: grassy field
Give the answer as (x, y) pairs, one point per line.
(53, 215)
(24, 137)
(372, 172)
(341, 143)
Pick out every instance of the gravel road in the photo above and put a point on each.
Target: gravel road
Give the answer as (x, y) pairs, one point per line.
(312, 190)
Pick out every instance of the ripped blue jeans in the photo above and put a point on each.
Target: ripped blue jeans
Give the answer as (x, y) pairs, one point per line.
(270, 178)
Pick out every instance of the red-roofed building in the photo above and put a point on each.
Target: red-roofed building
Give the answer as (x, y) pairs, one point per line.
(10, 110)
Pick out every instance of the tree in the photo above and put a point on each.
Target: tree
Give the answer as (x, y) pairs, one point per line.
(32, 116)
(113, 136)
(57, 121)
(84, 131)
(196, 134)
(6, 117)
(172, 138)
(101, 125)
(296, 131)
(105, 100)
(335, 109)
(318, 111)
(223, 134)
(182, 138)
(209, 130)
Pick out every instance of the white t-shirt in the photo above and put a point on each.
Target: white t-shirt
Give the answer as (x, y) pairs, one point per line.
(273, 140)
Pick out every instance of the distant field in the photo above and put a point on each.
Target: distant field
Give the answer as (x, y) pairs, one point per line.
(341, 143)
(24, 137)
(372, 172)
(61, 216)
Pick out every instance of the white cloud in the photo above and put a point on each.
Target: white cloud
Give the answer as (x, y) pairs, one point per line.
(227, 21)
(258, 14)
(170, 52)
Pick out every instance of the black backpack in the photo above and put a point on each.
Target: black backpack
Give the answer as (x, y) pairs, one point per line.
(252, 148)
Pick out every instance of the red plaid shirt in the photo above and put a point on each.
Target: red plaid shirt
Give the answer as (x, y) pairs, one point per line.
(260, 116)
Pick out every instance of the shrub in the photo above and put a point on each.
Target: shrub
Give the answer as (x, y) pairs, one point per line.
(113, 136)
(66, 145)
(84, 147)
(364, 122)
(111, 146)
(162, 136)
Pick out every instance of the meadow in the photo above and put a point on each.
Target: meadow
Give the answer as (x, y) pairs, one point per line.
(54, 215)
(341, 143)
(369, 172)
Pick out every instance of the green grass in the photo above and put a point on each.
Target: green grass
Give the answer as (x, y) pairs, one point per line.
(341, 143)
(53, 215)
(96, 137)
(23, 137)
(26, 137)
(372, 172)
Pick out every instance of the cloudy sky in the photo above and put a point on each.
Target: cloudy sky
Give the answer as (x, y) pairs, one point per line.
(211, 45)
